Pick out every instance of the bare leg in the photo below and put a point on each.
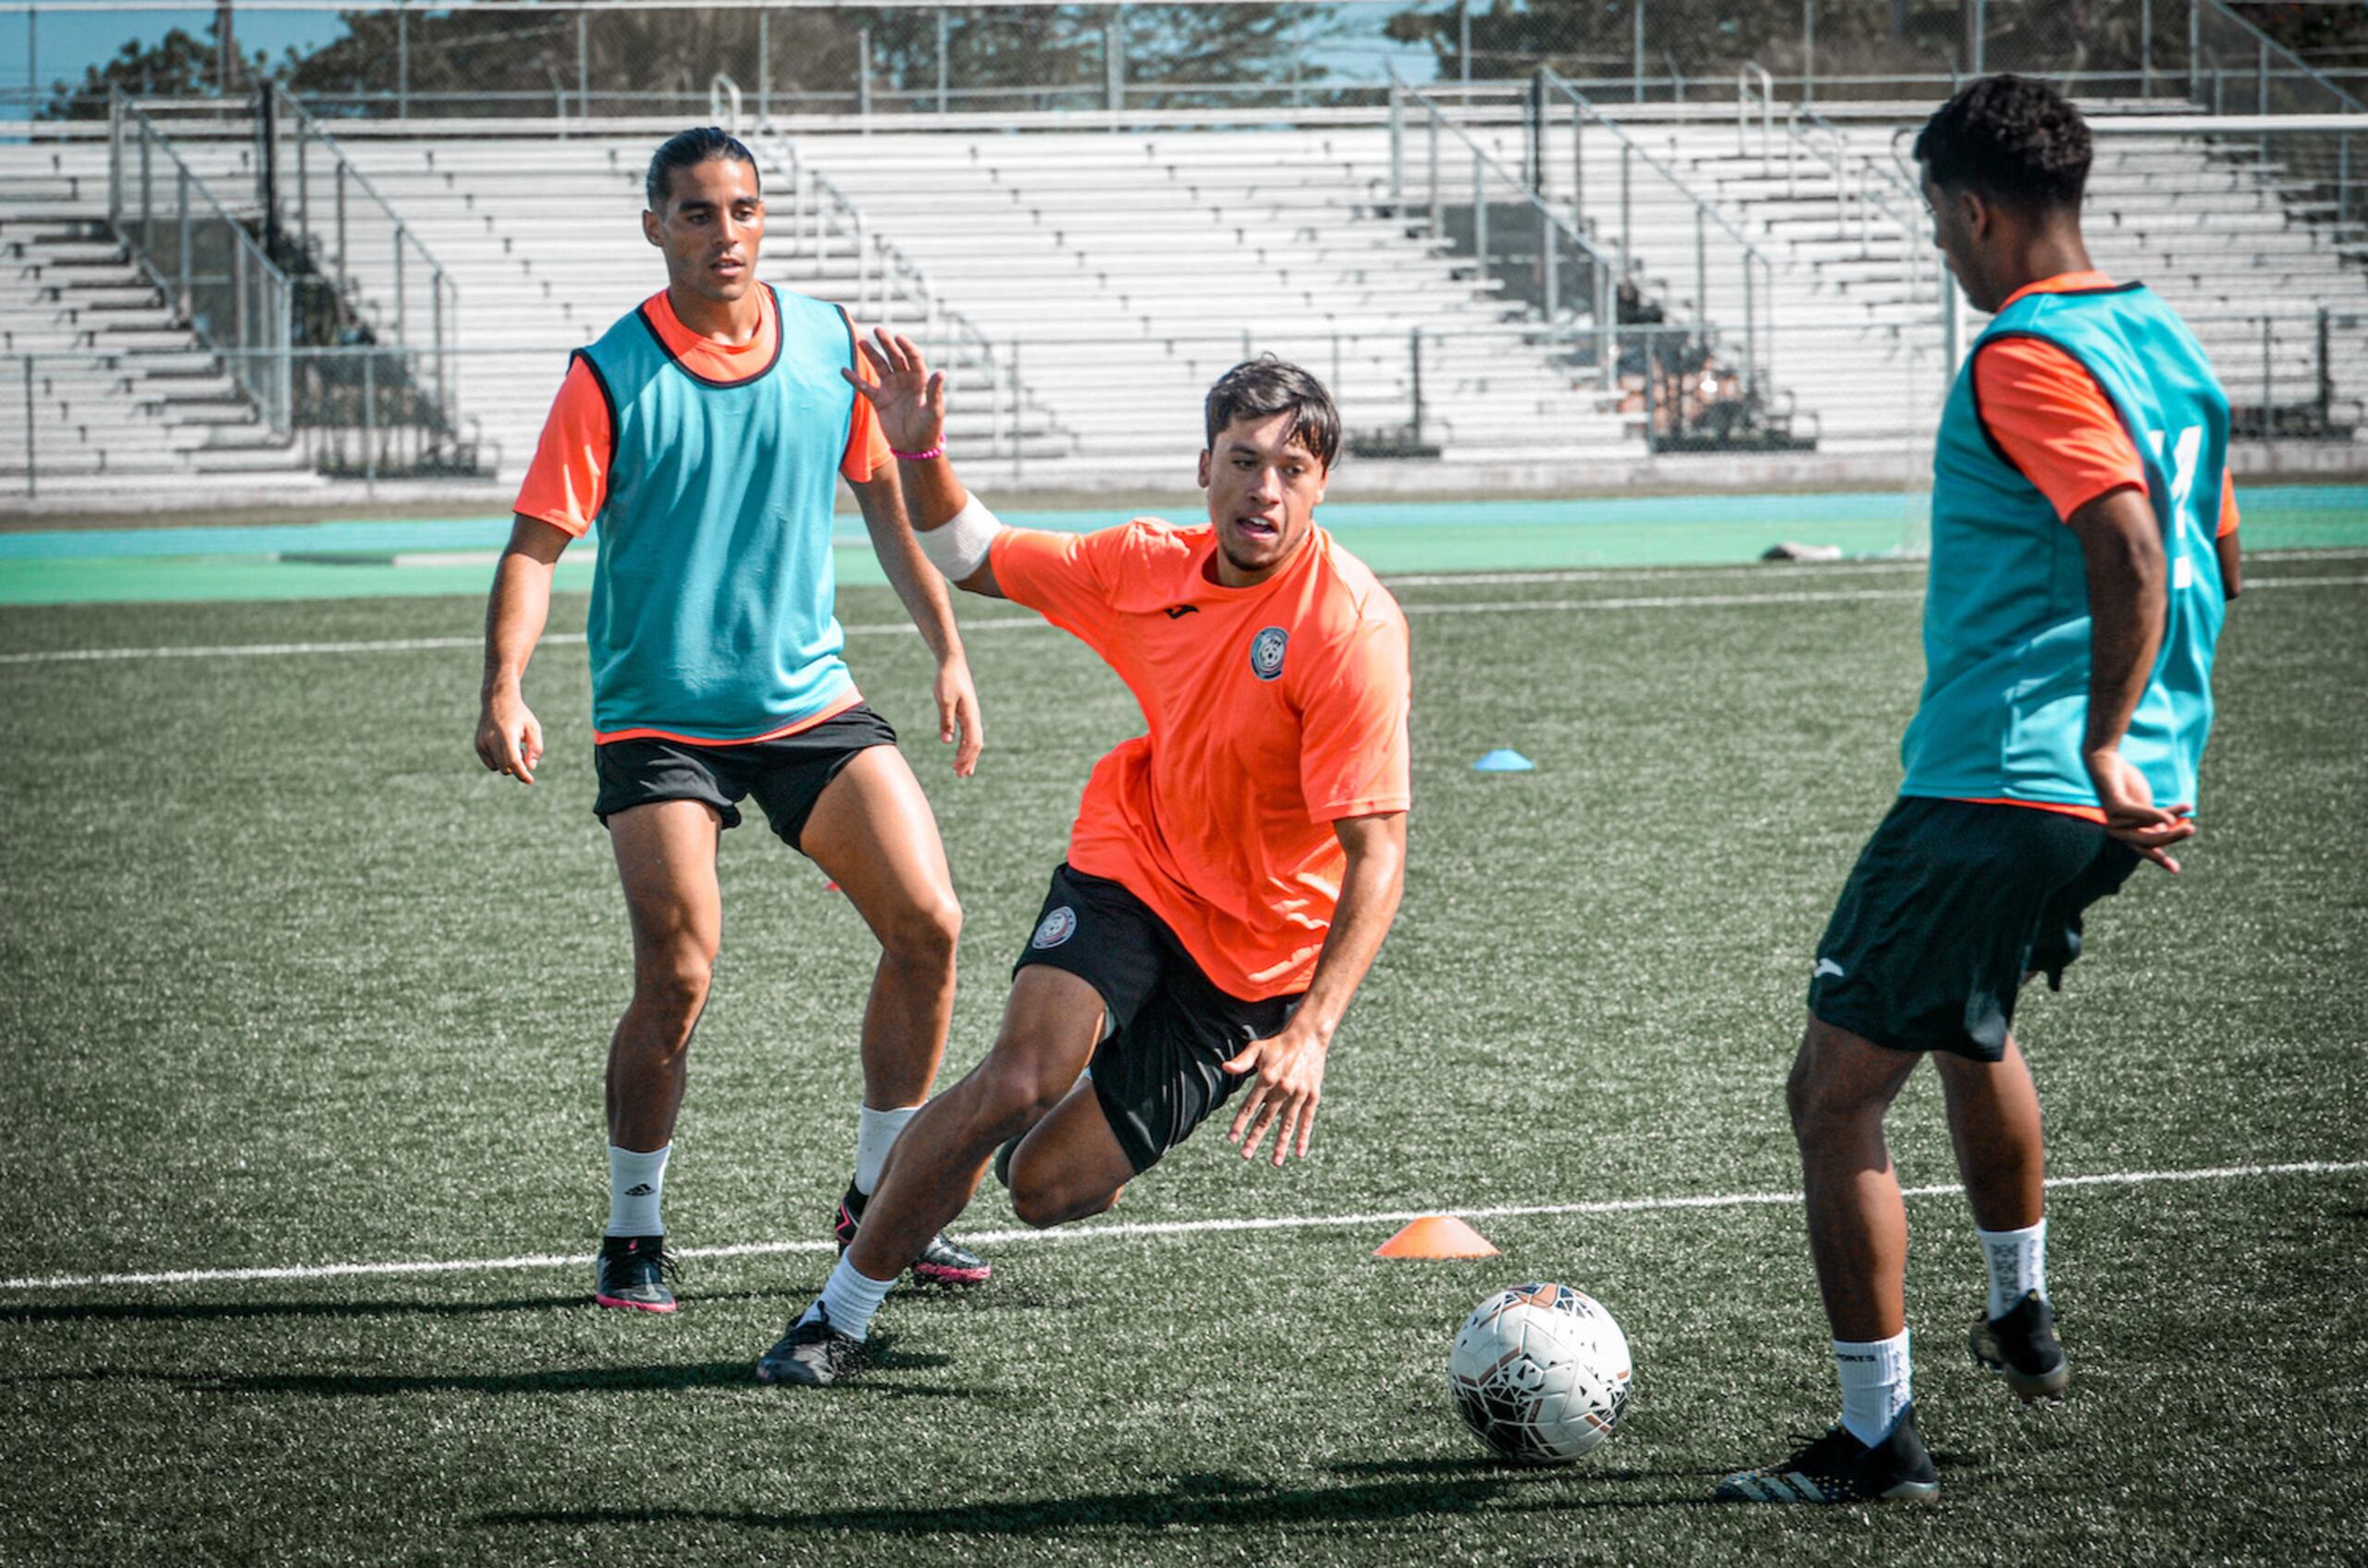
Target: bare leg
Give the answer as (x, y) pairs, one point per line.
(1840, 1088)
(666, 858)
(872, 833)
(1994, 1124)
(1050, 1027)
(1070, 1166)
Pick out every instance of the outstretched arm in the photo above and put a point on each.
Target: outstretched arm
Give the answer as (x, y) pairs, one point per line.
(1289, 1065)
(510, 739)
(883, 505)
(909, 399)
(2129, 601)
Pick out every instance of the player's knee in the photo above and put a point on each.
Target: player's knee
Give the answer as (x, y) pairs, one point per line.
(1042, 1204)
(924, 935)
(672, 986)
(1016, 1095)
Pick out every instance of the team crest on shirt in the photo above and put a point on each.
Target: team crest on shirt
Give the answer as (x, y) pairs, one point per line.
(1266, 652)
(1055, 928)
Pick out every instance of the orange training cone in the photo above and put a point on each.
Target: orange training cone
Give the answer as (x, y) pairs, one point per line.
(1437, 1236)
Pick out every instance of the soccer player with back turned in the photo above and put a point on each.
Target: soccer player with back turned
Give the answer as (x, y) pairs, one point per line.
(706, 432)
(2083, 549)
(1231, 874)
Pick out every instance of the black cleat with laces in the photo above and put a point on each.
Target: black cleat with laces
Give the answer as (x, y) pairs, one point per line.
(812, 1355)
(632, 1272)
(1839, 1468)
(2022, 1348)
(942, 1264)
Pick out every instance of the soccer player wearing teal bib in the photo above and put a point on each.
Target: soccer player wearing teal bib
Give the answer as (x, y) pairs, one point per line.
(705, 433)
(2084, 548)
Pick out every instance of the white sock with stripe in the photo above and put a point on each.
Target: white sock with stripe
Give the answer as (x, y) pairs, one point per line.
(637, 1187)
(2018, 1261)
(1877, 1383)
(875, 1134)
(851, 1298)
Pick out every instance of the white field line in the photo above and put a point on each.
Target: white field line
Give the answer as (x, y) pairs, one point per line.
(1029, 623)
(1129, 1231)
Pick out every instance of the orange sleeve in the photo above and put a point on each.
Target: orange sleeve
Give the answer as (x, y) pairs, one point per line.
(867, 450)
(2229, 518)
(568, 480)
(1064, 577)
(1355, 758)
(2054, 422)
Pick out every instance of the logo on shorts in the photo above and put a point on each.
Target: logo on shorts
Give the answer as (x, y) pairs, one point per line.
(1266, 652)
(1055, 928)
(1826, 967)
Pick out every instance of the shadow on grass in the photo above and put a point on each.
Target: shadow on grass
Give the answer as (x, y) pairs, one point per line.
(738, 1374)
(204, 1312)
(922, 1299)
(1212, 1500)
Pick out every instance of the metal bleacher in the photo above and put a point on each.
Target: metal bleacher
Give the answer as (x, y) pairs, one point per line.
(1083, 287)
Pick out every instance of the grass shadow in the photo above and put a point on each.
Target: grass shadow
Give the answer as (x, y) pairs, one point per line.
(1206, 1501)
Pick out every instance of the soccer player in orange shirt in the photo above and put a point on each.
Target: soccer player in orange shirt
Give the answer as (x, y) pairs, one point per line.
(1231, 874)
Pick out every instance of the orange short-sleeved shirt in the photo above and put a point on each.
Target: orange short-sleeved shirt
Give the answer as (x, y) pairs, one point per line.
(2056, 423)
(1275, 711)
(568, 479)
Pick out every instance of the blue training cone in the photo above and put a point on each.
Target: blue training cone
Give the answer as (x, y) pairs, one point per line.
(1504, 759)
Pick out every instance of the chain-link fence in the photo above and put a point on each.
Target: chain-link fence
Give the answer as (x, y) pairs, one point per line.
(563, 61)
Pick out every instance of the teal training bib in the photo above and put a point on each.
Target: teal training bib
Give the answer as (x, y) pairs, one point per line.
(2005, 697)
(713, 600)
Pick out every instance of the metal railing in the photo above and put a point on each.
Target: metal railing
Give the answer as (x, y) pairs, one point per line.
(1755, 273)
(217, 279)
(1534, 256)
(823, 218)
(383, 275)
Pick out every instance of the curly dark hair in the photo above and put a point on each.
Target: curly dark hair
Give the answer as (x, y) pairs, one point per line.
(689, 149)
(2015, 141)
(1261, 388)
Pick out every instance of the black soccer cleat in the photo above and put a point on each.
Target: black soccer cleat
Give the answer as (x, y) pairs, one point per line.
(1839, 1468)
(812, 1355)
(2022, 1348)
(632, 1272)
(942, 1262)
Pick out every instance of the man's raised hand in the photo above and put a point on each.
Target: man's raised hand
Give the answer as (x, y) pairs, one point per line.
(908, 397)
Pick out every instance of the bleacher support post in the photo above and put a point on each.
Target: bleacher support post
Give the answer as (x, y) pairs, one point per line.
(2145, 48)
(941, 75)
(1396, 144)
(765, 60)
(582, 65)
(33, 485)
(1636, 56)
(403, 61)
(1415, 380)
(863, 74)
(2195, 50)
(1808, 51)
(1113, 61)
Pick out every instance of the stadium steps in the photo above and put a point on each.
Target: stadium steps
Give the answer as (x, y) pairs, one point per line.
(120, 393)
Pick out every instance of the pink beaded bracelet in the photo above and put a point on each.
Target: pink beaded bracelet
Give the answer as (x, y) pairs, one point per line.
(937, 450)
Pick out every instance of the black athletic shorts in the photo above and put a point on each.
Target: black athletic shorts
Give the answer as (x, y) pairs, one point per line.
(787, 775)
(1157, 1073)
(1951, 904)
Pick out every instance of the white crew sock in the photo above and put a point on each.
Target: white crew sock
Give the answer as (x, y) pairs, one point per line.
(1877, 1383)
(637, 1185)
(851, 1298)
(875, 1134)
(2018, 1261)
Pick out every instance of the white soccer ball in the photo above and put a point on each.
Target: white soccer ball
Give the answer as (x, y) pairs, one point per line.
(1540, 1373)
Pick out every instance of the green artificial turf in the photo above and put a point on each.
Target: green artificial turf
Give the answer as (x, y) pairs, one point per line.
(291, 981)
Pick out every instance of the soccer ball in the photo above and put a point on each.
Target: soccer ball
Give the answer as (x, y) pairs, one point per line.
(1540, 1373)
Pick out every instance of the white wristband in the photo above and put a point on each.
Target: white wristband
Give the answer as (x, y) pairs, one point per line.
(958, 546)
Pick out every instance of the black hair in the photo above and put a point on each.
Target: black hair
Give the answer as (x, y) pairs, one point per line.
(1261, 388)
(2015, 141)
(689, 149)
